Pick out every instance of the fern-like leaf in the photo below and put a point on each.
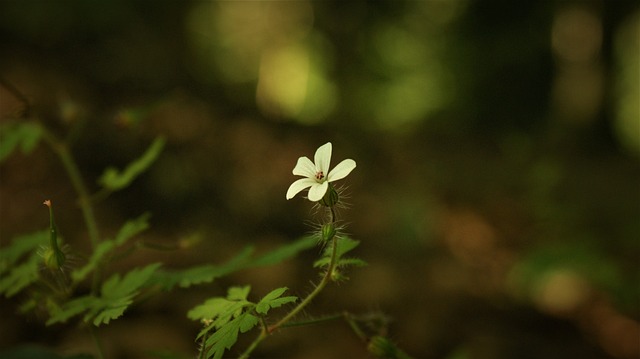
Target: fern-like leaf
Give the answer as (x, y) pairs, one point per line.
(128, 230)
(344, 246)
(274, 300)
(116, 295)
(25, 135)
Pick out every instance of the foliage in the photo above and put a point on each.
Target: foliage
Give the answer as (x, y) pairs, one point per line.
(226, 317)
(206, 273)
(20, 246)
(22, 135)
(54, 279)
(115, 296)
(343, 245)
(128, 231)
(16, 277)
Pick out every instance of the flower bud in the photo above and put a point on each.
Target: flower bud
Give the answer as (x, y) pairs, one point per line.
(53, 256)
(328, 231)
(330, 198)
(337, 276)
(53, 259)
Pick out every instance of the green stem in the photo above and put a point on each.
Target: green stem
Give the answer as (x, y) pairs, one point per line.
(314, 321)
(76, 180)
(354, 326)
(263, 335)
(98, 344)
(326, 278)
(323, 283)
(84, 201)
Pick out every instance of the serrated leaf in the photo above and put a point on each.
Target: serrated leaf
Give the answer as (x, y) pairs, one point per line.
(211, 308)
(72, 308)
(127, 231)
(25, 135)
(204, 273)
(238, 293)
(219, 307)
(284, 252)
(19, 246)
(247, 322)
(114, 287)
(132, 228)
(207, 273)
(20, 276)
(100, 252)
(273, 300)
(344, 246)
(225, 337)
(116, 295)
(111, 309)
(114, 180)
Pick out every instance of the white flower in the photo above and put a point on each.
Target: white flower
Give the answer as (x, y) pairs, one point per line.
(317, 175)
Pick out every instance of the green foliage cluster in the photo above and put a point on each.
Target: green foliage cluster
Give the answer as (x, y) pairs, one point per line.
(115, 296)
(54, 286)
(19, 262)
(226, 317)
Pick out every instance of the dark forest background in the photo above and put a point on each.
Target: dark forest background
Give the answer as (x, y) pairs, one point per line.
(497, 190)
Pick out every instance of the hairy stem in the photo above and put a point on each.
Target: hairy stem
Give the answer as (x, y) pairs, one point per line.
(73, 172)
(326, 278)
(323, 283)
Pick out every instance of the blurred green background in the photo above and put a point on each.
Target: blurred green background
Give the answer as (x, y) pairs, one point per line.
(497, 193)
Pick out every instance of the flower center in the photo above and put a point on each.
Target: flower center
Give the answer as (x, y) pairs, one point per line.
(319, 176)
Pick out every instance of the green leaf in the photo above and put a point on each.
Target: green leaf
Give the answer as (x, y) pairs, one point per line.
(210, 309)
(72, 308)
(116, 295)
(25, 135)
(100, 252)
(285, 252)
(225, 337)
(344, 246)
(114, 180)
(207, 273)
(111, 309)
(219, 307)
(238, 293)
(115, 287)
(247, 322)
(274, 300)
(132, 228)
(19, 246)
(229, 316)
(20, 276)
(128, 230)
(204, 273)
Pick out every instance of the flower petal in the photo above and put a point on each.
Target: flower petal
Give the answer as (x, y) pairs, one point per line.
(299, 185)
(305, 167)
(323, 158)
(317, 191)
(342, 170)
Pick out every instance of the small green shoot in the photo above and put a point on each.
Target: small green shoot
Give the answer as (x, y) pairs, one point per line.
(113, 180)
